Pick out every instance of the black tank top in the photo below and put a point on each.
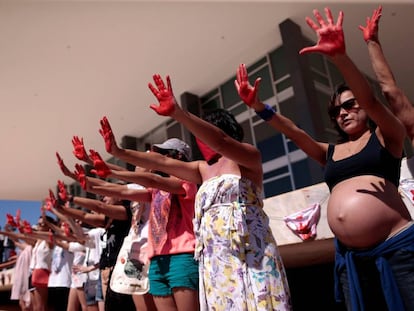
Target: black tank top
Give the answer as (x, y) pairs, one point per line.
(373, 159)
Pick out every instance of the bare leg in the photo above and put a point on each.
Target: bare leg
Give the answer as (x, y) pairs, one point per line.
(165, 303)
(186, 299)
(144, 302)
(105, 280)
(81, 298)
(24, 307)
(73, 301)
(93, 307)
(40, 294)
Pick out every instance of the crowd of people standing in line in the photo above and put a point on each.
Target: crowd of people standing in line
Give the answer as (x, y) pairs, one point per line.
(179, 234)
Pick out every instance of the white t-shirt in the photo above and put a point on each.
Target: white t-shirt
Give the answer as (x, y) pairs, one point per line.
(41, 256)
(79, 252)
(94, 247)
(61, 269)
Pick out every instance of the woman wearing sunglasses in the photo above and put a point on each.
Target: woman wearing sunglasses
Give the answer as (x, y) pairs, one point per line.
(373, 230)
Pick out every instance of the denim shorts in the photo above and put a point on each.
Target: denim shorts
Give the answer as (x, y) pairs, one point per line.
(93, 291)
(170, 271)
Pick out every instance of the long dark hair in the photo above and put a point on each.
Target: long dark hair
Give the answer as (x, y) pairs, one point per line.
(342, 136)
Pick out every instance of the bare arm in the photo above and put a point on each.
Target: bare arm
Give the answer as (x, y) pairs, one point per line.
(114, 211)
(122, 191)
(245, 155)
(151, 180)
(93, 219)
(331, 42)
(9, 263)
(399, 102)
(150, 160)
(249, 95)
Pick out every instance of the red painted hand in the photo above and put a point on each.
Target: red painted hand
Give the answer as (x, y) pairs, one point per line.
(79, 150)
(18, 215)
(101, 169)
(80, 175)
(370, 32)
(27, 228)
(164, 95)
(10, 220)
(247, 92)
(330, 36)
(63, 167)
(63, 194)
(107, 134)
(52, 200)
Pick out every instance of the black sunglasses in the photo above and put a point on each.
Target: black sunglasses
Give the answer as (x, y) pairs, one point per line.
(347, 105)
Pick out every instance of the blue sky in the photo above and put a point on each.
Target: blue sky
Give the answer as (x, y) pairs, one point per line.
(30, 210)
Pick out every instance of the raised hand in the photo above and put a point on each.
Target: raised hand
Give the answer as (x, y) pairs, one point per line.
(27, 228)
(63, 167)
(63, 194)
(247, 92)
(80, 175)
(79, 150)
(52, 200)
(17, 219)
(370, 32)
(10, 220)
(101, 169)
(18, 216)
(108, 135)
(330, 36)
(164, 95)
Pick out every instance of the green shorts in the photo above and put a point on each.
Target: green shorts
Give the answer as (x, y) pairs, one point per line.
(170, 271)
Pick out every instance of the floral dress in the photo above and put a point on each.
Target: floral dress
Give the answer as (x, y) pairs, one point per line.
(240, 265)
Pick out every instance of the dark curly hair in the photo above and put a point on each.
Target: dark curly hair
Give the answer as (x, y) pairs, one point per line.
(225, 121)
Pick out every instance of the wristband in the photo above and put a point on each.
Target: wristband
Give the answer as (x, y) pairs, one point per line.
(267, 113)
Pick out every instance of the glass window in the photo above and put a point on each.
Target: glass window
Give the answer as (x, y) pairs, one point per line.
(212, 104)
(278, 63)
(301, 174)
(277, 186)
(277, 172)
(317, 61)
(213, 93)
(271, 147)
(266, 89)
(292, 146)
(284, 84)
(289, 109)
(211, 100)
(229, 93)
(257, 64)
(248, 138)
(238, 109)
(320, 78)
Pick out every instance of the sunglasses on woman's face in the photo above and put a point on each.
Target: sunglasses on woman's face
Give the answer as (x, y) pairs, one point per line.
(347, 105)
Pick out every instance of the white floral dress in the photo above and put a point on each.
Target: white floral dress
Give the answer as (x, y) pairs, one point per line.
(240, 265)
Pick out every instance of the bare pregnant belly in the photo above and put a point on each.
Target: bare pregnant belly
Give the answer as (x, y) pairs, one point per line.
(363, 211)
